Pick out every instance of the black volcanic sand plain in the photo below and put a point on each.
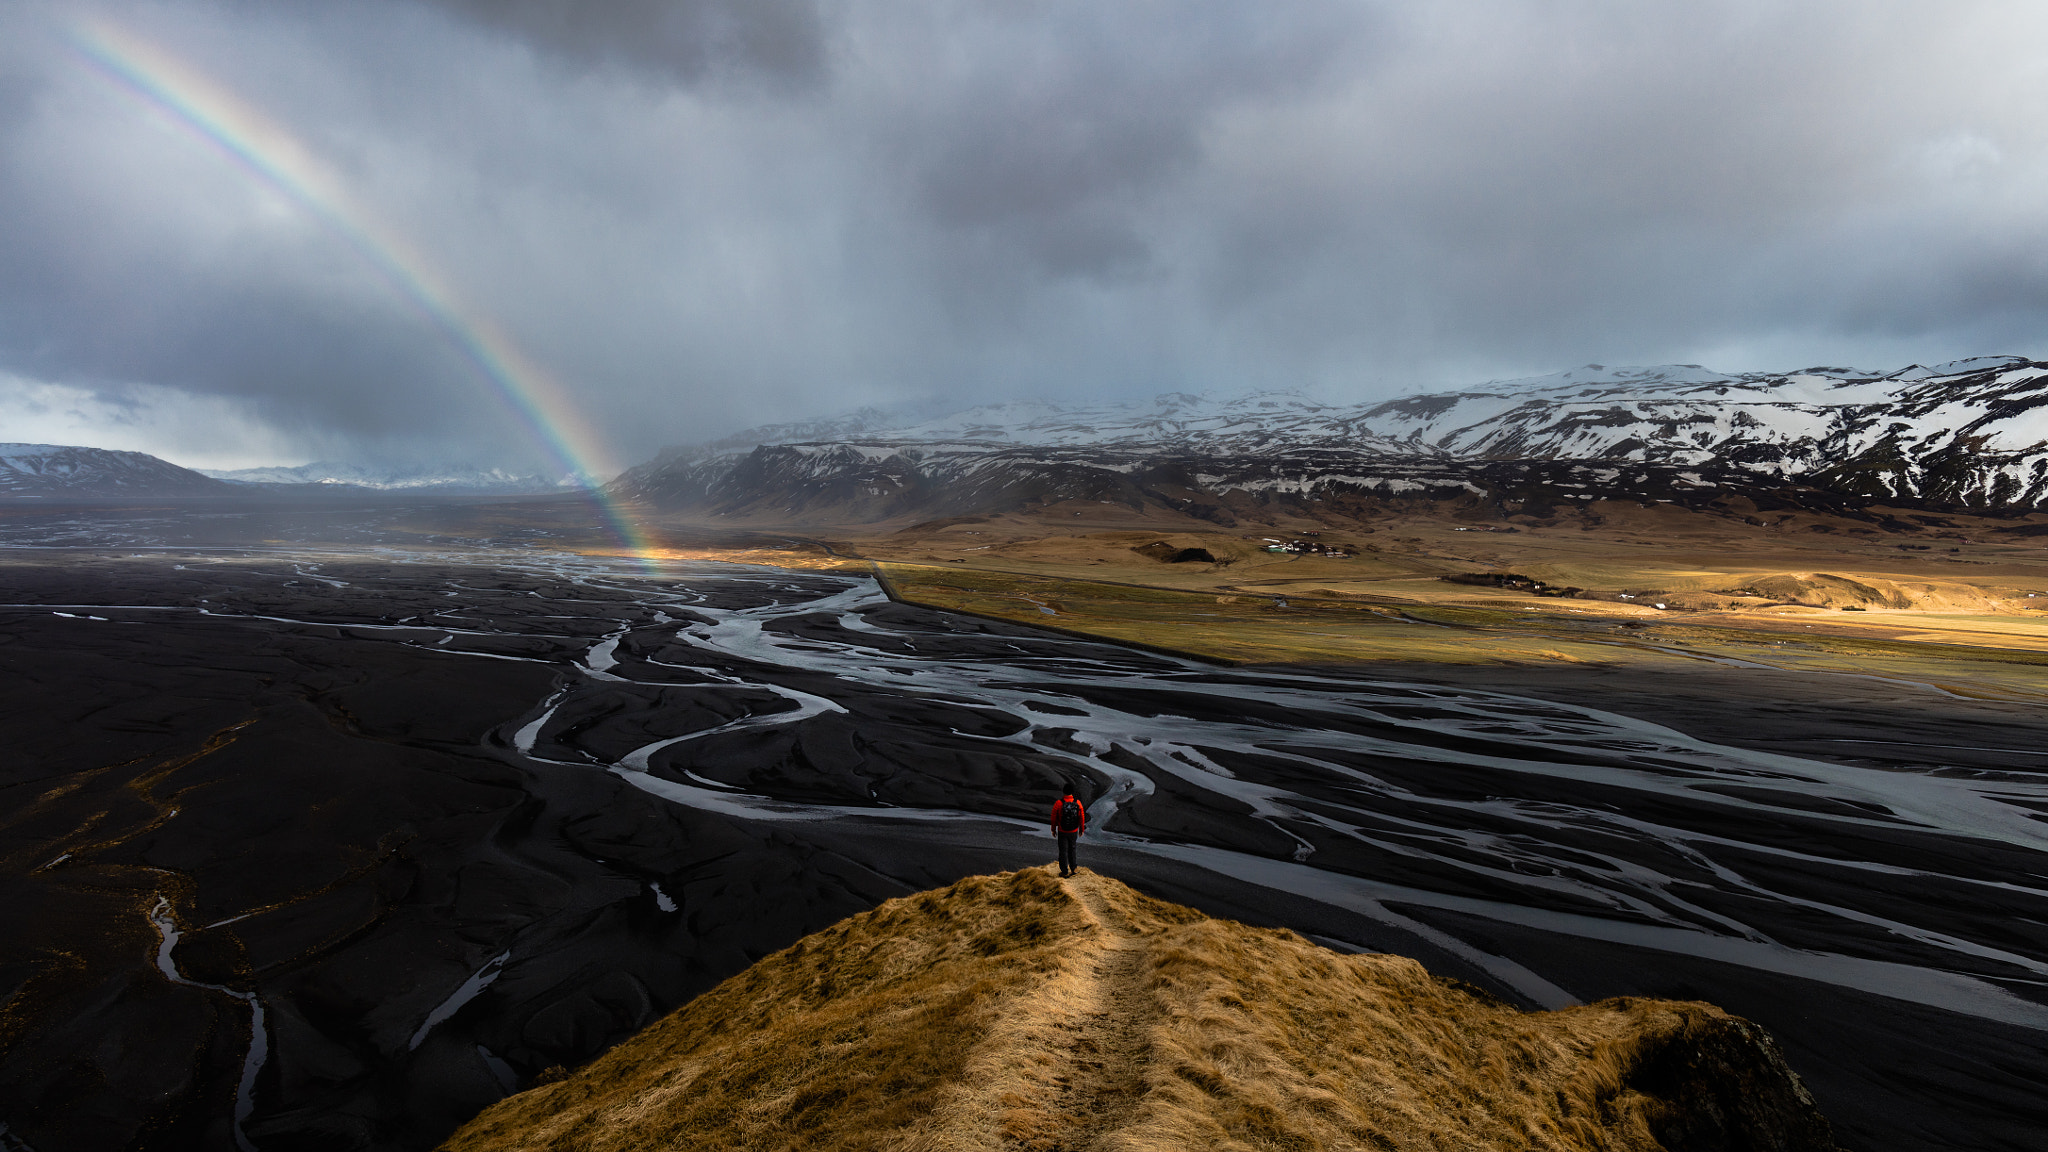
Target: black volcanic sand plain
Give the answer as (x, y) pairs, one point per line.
(441, 817)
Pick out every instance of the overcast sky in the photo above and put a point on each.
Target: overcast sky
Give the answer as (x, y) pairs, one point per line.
(705, 214)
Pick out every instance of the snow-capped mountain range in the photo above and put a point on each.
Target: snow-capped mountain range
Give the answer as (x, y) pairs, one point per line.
(45, 471)
(1973, 433)
(453, 479)
(1970, 433)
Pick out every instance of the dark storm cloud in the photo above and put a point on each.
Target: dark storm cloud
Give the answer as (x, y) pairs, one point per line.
(709, 213)
(683, 38)
(1059, 149)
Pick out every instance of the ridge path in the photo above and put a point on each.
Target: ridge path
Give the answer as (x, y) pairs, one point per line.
(1111, 1047)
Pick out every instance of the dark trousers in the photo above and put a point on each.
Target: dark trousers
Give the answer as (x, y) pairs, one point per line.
(1067, 851)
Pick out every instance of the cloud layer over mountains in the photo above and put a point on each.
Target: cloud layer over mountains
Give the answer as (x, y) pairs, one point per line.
(705, 214)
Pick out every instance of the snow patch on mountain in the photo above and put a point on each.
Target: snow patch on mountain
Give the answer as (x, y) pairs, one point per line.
(1972, 432)
(47, 470)
(452, 479)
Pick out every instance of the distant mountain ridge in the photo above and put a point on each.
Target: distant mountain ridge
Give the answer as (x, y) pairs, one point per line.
(1972, 433)
(44, 470)
(60, 470)
(449, 478)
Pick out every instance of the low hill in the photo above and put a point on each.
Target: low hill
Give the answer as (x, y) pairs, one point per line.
(45, 470)
(1021, 1011)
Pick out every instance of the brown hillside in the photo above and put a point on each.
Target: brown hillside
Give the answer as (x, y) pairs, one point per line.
(1021, 1011)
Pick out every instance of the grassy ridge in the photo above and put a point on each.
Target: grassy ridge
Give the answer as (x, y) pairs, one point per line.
(1020, 1011)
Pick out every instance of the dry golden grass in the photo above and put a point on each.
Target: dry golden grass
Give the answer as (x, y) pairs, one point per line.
(2002, 657)
(847, 1035)
(1275, 1042)
(1020, 1011)
(1954, 581)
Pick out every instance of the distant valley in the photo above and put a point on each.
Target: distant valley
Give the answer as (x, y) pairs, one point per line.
(359, 810)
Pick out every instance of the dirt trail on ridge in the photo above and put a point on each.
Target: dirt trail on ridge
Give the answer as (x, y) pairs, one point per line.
(1109, 1052)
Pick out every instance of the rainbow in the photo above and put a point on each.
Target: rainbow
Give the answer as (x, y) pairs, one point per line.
(273, 155)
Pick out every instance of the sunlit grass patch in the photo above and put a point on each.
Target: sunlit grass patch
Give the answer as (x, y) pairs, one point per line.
(1335, 626)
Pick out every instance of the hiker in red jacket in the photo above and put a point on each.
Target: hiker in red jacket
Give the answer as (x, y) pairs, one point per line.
(1069, 820)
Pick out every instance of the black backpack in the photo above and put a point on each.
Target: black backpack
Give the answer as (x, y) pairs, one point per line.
(1070, 816)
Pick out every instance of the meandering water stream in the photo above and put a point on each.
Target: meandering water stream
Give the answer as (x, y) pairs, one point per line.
(776, 697)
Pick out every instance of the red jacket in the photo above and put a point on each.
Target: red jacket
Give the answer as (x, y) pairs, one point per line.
(1056, 816)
